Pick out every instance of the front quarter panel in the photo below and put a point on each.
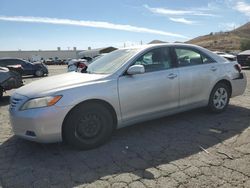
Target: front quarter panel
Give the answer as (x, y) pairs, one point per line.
(105, 90)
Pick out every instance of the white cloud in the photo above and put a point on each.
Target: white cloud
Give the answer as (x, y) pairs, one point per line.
(243, 7)
(83, 23)
(182, 20)
(165, 11)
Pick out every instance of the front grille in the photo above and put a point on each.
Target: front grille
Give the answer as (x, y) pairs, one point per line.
(243, 59)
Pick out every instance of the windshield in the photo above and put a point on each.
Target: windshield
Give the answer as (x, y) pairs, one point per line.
(111, 62)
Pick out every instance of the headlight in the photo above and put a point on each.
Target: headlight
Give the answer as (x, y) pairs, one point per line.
(41, 102)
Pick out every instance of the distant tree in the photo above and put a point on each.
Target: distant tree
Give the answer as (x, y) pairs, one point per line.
(245, 45)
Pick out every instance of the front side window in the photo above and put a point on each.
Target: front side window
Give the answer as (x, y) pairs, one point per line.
(189, 57)
(155, 60)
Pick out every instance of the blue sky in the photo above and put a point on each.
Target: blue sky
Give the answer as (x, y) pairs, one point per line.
(48, 24)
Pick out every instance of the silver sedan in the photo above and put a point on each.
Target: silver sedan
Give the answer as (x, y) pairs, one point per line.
(122, 88)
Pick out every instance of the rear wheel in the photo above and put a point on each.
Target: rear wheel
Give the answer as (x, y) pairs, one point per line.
(219, 98)
(88, 126)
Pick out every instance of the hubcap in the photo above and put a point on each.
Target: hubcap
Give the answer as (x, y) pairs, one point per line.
(220, 98)
(39, 73)
(89, 125)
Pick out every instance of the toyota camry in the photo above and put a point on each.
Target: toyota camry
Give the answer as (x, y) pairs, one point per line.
(122, 88)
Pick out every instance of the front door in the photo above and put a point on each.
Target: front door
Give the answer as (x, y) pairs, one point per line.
(153, 92)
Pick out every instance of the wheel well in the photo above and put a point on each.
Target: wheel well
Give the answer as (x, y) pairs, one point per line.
(96, 101)
(227, 83)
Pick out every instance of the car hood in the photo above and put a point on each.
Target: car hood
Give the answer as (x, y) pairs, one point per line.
(53, 84)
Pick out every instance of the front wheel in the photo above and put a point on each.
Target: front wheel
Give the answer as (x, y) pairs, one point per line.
(88, 126)
(39, 73)
(219, 98)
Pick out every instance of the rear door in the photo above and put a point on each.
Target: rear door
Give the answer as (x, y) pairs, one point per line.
(198, 73)
(154, 92)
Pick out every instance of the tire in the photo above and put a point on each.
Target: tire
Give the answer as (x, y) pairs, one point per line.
(219, 98)
(88, 126)
(39, 73)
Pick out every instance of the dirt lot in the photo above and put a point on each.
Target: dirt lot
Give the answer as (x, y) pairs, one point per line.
(191, 149)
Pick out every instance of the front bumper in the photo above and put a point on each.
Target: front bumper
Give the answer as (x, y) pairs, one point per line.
(42, 125)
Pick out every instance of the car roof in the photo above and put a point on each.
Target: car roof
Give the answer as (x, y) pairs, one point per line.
(216, 57)
(159, 45)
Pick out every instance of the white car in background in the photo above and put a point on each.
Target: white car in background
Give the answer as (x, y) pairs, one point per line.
(227, 56)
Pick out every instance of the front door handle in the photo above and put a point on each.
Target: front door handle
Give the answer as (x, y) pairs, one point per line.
(172, 76)
(213, 68)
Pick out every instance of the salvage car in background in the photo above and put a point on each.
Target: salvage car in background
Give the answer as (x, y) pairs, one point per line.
(124, 87)
(77, 65)
(243, 58)
(9, 80)
(228, 56)
(36, 68)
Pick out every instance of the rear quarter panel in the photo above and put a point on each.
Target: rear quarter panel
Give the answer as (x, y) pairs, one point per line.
(238, 80)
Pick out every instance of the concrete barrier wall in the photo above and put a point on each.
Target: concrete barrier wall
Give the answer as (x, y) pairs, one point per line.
(63, 54)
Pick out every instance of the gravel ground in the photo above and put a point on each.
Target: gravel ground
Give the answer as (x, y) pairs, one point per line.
(191, 149)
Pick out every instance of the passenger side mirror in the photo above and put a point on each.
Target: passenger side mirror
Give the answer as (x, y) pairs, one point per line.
(136, 69)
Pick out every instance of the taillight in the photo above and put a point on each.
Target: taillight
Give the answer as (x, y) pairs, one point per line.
(238, 67)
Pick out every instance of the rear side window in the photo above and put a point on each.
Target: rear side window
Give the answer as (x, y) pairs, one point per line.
(190, 57)
(8, 62)
(5, 62)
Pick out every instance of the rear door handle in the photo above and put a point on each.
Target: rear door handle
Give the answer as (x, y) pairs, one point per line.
(213, 68)
(172, 76)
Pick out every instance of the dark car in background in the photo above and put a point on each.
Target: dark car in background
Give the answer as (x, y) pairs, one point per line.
(243, 58)
(36, 69)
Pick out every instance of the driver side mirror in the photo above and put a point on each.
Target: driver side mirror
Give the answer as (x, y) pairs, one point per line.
(136, 69)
